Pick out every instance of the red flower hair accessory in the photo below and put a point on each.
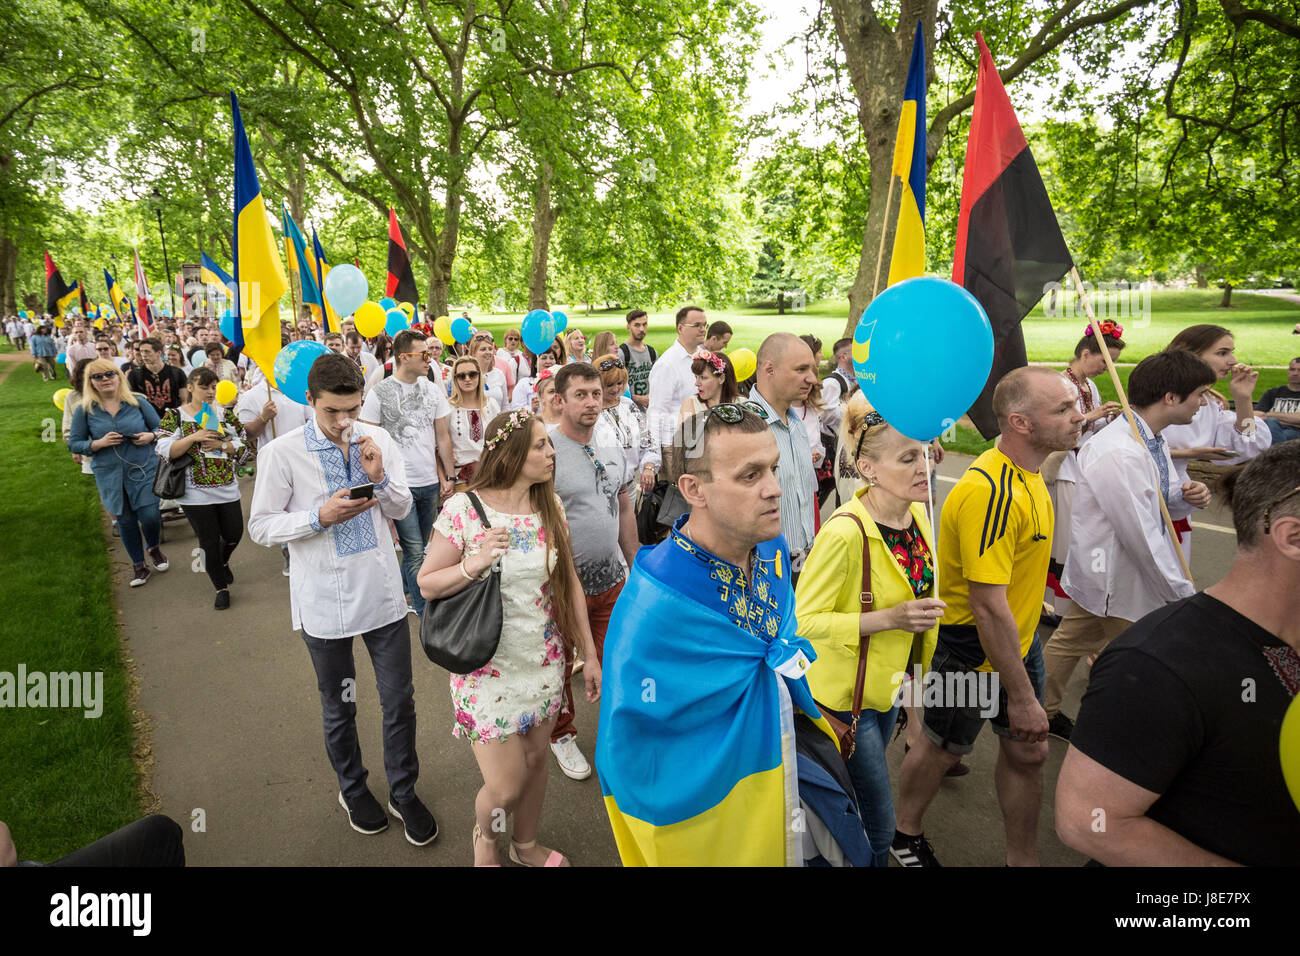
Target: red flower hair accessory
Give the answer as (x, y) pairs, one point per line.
(1113, 329)
(702, 353)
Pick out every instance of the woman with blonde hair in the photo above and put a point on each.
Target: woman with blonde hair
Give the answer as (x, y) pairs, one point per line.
(547, 410)
(623, 426)
(575, 344)
(507, 707)
(886, 519)
(471, 410)
(116, 428)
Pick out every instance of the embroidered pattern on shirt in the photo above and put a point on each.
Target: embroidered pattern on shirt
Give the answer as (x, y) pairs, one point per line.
(356, 534)
(755, 609)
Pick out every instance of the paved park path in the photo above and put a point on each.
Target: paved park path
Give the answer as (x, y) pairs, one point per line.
(236, 731)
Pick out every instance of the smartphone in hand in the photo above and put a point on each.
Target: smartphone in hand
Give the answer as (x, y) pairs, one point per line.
(362, 491)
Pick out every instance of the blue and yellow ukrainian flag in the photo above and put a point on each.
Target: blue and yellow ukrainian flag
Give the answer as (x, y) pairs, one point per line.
(117, 297)
(212, 274)
(322, 270)
(259, 273)
(908, 257)
(695, 751)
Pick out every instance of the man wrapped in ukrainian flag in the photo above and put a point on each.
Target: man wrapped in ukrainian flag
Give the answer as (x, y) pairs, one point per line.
(696, 749)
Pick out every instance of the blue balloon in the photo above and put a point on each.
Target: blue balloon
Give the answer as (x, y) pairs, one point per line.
(387, 304)
(538, 330)
(461, 330)
(228, 325)
(61, 358)
(922, 353)
(397, 321)
(292, 364)
(346, 288)
(561, 322)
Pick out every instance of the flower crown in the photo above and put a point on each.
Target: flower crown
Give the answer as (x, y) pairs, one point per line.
(517, 418)
(1113, 329)
(702, 353)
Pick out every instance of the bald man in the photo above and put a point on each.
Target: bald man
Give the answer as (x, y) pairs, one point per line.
(786, 372)
(995, 542)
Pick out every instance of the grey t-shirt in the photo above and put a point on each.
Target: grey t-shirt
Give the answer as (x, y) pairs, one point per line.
(590, 496)
(638, 371)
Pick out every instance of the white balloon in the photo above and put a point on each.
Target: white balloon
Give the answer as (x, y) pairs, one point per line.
(346, 288)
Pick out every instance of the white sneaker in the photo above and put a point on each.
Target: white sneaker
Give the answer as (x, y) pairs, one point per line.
(570, 758)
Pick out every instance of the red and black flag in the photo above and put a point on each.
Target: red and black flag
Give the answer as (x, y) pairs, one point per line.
(58, 294)
(1009, 245)
(85, 302)
(401, 280)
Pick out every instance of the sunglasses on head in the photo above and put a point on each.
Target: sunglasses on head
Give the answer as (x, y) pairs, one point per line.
(610, 363)
(729, 413)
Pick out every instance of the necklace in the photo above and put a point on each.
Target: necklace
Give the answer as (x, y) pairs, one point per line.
(1085, 393)
(624, 433)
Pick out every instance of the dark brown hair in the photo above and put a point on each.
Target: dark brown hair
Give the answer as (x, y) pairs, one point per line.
(336, 374)
(499, 468)
(1177, 373)
(730, 390)
(1197, 338)
(1251, 491)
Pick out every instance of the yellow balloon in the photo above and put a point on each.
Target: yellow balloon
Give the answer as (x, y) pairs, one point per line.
(744, 361)
(1289, 747)
(407, 307)
(99, 323)
(60, 397)
(369, 318)
(442, 329)
(227, 392)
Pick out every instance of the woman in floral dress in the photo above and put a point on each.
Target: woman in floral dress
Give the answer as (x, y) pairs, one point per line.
(507, 707)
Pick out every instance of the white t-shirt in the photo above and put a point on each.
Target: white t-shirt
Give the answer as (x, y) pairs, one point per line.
(289, 415)
(407, 413)
(495, 383)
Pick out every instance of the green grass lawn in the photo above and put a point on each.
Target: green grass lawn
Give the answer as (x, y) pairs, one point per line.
(67, 779)
(1261, 324)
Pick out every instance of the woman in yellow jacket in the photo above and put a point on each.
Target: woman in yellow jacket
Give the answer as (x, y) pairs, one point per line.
(903, 626)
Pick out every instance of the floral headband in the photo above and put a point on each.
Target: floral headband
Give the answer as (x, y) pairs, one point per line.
(1107, 327)
(517, 418)
(702, 353)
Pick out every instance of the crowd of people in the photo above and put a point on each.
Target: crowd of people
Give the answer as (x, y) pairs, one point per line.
(815, 604)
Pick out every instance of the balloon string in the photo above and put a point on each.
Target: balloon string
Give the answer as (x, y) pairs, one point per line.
(934, 524)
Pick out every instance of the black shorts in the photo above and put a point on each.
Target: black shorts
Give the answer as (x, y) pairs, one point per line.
(953, 721)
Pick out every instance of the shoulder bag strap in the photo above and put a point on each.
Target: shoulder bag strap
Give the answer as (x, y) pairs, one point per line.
(868, 602)
(477, 505)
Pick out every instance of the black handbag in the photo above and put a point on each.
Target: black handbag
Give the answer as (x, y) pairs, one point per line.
(461, 632)
(169, 480)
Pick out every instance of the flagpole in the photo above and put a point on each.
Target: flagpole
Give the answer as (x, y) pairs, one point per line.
(1128, 411)
(880, 256)
(293, 273)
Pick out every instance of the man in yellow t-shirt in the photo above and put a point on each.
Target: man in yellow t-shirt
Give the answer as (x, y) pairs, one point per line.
(995, 542)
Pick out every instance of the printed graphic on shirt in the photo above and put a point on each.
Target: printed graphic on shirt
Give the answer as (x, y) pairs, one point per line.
(638, 372)
(407, 413)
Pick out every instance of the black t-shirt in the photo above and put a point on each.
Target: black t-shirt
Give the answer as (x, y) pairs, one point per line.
(162, 389)
(1280, 399)
(1188, 703)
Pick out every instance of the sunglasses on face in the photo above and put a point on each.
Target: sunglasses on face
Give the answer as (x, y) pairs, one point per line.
(466, 376)
(424, 355)
(99, 375)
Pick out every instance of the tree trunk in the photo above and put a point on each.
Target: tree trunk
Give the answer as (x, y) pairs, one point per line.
(544, 216)
(8, 266)
(1202, 280)
(780, 303)
(1226, 301)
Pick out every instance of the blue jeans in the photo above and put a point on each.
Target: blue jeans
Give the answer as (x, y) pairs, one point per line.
(870, 776)
(148, 518)
(413, 534)
(1281, 432)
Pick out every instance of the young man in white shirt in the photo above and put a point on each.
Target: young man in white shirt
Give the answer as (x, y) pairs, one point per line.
(671, 378)
(1122, 562)
(414, 411)
(345, 581)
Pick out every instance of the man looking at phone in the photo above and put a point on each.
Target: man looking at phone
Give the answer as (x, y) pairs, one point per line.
(328, 489)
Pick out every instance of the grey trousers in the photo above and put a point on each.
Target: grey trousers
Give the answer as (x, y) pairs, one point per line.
(336, 672)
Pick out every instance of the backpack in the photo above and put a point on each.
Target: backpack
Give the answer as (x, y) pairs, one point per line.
(626, 353)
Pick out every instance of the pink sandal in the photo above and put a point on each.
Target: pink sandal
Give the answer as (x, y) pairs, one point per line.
(555, 859)
(478, 835)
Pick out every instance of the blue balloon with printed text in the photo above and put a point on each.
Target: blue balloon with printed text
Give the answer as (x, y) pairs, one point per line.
(922, 353)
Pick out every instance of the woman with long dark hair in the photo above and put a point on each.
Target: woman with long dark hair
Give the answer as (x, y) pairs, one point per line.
(1217, 433)
(507, 707)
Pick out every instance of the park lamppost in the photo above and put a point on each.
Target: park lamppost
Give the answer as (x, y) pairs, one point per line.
(171, 285)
